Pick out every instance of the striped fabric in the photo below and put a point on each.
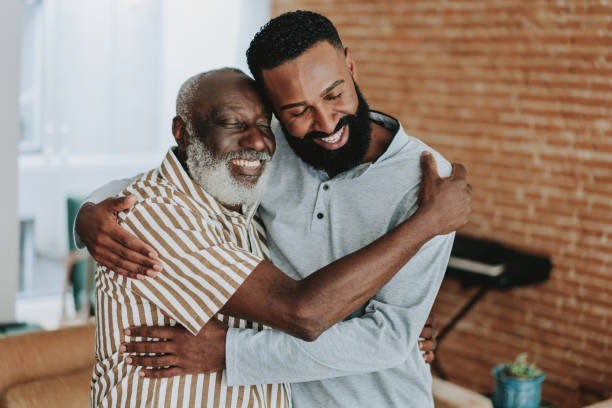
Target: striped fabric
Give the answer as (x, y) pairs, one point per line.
(206, 251)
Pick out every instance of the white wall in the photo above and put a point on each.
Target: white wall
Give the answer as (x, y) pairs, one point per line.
(10, 32)
(203, 35)
(112, 71)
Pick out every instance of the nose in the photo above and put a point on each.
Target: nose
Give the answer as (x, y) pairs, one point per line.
(253, 139)
(325, 121)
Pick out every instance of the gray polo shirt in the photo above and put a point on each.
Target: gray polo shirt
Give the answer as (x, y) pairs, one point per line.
(371, 359)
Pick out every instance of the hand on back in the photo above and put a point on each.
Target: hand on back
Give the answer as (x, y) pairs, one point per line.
(445, 200)
(110, 244)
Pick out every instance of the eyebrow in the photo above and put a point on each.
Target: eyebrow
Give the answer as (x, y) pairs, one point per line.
(322, 94)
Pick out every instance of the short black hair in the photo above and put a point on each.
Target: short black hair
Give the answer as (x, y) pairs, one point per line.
(287, 37)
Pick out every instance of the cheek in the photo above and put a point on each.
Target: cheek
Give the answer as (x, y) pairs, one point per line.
(349, 105)
(222, 144)
(299, 127)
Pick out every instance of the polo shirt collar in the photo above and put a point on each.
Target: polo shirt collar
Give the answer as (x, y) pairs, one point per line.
(397, 143)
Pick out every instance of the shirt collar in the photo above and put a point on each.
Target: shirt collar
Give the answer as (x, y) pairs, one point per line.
(399, 140)
(172, 171)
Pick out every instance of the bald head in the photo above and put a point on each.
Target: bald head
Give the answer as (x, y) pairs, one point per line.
(201, 87)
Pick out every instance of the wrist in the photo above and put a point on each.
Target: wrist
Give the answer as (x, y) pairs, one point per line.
(424, 224)
(77, 221)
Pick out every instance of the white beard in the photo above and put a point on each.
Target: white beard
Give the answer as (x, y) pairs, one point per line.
(214, 176)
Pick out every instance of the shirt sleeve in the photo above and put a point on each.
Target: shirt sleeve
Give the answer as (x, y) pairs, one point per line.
(109, 189)
(380, 338)
(201, 269)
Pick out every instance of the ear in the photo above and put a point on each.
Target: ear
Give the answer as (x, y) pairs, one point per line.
(350, 63)
(179, 130)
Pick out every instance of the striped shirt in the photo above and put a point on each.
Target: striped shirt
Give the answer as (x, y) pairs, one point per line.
(206, 251)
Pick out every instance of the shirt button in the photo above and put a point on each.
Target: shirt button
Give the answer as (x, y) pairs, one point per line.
(320, 215)
(325, 187)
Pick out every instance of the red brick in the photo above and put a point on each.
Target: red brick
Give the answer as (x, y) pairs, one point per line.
(522, 95)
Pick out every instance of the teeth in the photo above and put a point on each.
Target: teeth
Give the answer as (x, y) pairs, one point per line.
(246, 163)
(333, 138)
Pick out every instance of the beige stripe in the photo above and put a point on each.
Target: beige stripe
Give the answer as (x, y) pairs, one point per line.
(269, 394)
(279, 395)
(181, 391)
(183, 247)
(217, 389)
(192, 389)
(172, 171)
(240, 399)
(256, 394)
(175, 269)
(228, 397)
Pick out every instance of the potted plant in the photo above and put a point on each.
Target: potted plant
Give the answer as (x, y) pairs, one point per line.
(517, 385)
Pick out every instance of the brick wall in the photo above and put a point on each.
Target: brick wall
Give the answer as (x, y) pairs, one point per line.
(521, 92)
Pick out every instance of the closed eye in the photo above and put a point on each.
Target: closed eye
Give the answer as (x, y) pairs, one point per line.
(332, 97)
(297, 115)
(233, 124)
(265, 128)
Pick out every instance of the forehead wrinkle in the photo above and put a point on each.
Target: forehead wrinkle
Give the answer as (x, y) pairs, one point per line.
(237, 108)
(232, 108)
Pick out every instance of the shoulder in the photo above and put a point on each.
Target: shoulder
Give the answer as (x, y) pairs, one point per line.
(402, 160)
(155, 192)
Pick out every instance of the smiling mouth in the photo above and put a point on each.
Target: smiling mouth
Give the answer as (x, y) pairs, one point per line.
(247, 167)
(334, 141)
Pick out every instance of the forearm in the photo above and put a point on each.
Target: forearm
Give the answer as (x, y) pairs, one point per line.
(334, 291)
(375, 341)
(308, 307)
(384, 336)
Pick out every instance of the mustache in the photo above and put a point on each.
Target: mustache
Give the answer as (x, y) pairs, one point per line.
(315, 134)
(248, 154)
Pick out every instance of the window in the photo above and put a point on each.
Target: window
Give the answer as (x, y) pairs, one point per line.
(31, 73)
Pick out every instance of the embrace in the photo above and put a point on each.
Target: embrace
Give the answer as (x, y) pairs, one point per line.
(274, 263)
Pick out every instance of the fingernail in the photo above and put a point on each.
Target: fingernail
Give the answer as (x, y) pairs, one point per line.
(140, 277)
(152, 255)
(127, 332)
(141, 373)
(158, 268)
(420, 344)
(151, 273)
(425, 153)
(122, 349)
(128, 360)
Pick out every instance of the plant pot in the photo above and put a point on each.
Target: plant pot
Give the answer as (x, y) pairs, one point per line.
(513, 392)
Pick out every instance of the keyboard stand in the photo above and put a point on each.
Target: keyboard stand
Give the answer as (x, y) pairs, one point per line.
(446, 329)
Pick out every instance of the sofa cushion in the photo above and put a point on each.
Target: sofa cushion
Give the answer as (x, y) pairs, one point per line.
(61, 391)
(28, 357)
(449, 395)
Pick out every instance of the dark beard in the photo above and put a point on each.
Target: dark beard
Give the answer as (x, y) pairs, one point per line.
(348, 156)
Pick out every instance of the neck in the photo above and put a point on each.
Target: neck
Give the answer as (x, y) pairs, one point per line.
(181, 155)
(381, 138)
(236, 208)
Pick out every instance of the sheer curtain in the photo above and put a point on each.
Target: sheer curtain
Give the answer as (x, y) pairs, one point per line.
(100, 81)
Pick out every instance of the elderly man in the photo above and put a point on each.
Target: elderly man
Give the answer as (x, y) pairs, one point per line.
(197, 211)
(343, 177)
